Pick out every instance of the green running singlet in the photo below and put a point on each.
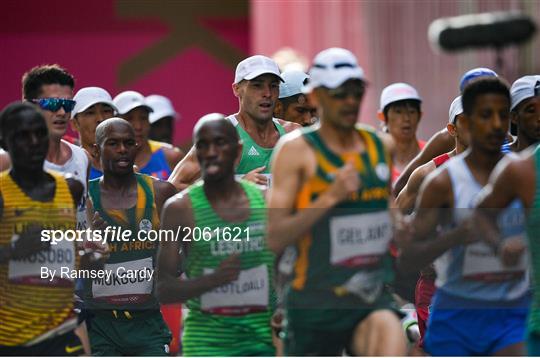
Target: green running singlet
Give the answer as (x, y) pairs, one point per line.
(234, 319)
(533, 233)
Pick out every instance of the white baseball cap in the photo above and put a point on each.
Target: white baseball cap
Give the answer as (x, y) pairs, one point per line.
(456, 108)
(293, 82)
(128, 100)
(162, 107)
(398, 92)
(88, 96)
(331, 68)
(523, 88)
(255, 66)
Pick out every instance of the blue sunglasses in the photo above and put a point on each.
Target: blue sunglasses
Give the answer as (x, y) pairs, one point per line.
(54, 104)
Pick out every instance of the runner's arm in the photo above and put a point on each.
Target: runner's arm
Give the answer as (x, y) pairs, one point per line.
(407, 197)
(441, 142)
(164, 190)
(173, 155)
(186, 172)
(177, 212)
(77, 190)
(421, 250)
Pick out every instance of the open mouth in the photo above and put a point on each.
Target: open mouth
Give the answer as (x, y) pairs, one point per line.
(123, 163)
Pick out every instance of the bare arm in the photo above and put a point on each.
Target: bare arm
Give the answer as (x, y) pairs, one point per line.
(173, 155)
(170, 289)
(422, 249)
(440, 143)
(164, 190)
(292, 162)
(186, 172)
(407, 197)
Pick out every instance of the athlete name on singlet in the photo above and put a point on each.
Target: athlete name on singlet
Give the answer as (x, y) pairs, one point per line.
(359, 240)
(249, 293)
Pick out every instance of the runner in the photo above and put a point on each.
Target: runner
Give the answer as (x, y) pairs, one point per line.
(153, 158)
(221, 321)
(425, 287)
(401, 112)
(93, 106)
(479, 307)
(161, 118)
(293, 105)
(406, 198)
(36, 313)
(525, 93)
(256, 85)
(329, 178)
(126, 318)
(441, 142)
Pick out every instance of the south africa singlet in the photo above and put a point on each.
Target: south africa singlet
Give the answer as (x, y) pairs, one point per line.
(31, 307)
(120, 290)
(343, 262)
(234, 319)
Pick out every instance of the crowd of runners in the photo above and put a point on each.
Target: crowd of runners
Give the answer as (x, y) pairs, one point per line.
(299, 230)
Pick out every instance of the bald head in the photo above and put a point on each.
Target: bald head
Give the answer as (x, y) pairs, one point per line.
(218, 121)
(110, 124)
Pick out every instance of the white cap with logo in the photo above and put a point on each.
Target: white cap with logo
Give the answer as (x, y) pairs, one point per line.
(523, 88)
(88, 96)
(331, 68)
(255, 66)
(456, 108)
(129, 100)
(398, 92)
(294, 80)
(162, 107)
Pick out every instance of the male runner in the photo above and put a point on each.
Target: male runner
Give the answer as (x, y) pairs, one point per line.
(407, 197)
(400, 110)
(441, 142)
(293, 105)
(425, 287)
(153, 158)
(126, 320)
(331, 190)
(36, 313)
(229, 285)
(161, 118)
(256, 85)
(480, 305)
(525, 93)
(93, 106)
(51, 88)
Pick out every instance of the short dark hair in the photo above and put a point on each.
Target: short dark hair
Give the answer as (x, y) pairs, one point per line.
(287, 101)
(481, 86)
(416, 104)
(12, 115)
(33, 80)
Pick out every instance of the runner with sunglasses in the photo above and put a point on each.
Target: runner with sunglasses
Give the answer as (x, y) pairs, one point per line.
(330, 200)
(50, 87)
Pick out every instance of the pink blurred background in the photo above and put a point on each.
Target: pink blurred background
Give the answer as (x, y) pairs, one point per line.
(187, 50)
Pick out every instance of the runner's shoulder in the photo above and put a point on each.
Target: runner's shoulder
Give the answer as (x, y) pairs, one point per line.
(288, 126)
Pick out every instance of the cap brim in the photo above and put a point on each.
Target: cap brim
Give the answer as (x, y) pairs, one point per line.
(154, 117)
(133, 106)
(258, 73)
(109, 103)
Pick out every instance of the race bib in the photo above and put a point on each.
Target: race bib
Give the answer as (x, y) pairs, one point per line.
(359, 240)
(125, 283)
(27, 271)
(248, 294)
(480, 263)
